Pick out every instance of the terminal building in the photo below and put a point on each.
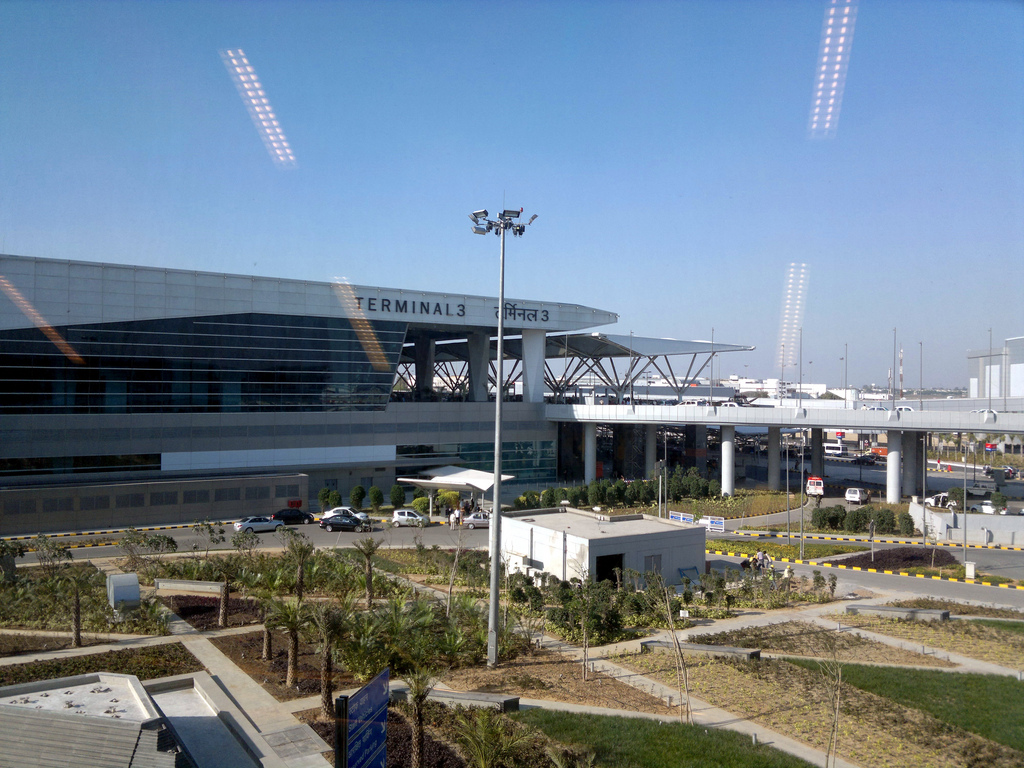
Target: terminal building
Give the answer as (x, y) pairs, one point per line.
(145, 394)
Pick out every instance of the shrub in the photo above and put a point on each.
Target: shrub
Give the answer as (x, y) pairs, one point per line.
(885, 521)
(549, 498)
(595, 494)
(421, 505)
(376, 498)
(397, 495)
(906, 524)
(324, 496)
(356, 496)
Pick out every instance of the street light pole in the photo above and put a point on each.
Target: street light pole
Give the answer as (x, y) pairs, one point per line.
(506, 221)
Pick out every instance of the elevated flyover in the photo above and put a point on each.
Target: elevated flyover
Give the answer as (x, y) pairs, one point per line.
(903, 430)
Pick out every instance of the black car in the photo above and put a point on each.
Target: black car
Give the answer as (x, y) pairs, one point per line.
(866, 458)
(292, 517)
(343, 522)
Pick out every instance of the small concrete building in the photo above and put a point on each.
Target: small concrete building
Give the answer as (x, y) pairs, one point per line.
(570, 542)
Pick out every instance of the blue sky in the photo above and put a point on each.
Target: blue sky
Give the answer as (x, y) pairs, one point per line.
(663, 144)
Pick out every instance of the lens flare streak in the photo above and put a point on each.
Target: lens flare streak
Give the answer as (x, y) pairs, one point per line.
(830, 74)
(30, 312)
(258, 105)
(364, 330)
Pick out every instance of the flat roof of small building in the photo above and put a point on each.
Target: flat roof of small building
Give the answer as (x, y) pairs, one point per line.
(593, 525)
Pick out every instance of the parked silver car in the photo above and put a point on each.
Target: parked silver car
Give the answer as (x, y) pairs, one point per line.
(405, 516)
(258, 524)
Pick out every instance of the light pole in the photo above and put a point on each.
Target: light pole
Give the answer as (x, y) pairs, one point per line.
(506, 221)
(989, 377)
(920, 391)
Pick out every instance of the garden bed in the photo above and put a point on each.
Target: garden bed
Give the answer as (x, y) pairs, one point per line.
(201, 612)
(967, 638)
(874, 731)
(902, 559)
(794, 638)
(16, 643)
(145, 663)
(549, 675)
(245, 651)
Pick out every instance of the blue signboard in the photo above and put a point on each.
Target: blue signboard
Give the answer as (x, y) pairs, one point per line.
(360, 737)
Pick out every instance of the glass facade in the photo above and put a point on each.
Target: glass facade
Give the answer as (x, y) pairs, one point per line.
(533, 462)
(229, 363)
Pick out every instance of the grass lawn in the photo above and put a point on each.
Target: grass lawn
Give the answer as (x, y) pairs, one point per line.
(623, 742)
(791, 552)
(991, 706)
(1006, 626)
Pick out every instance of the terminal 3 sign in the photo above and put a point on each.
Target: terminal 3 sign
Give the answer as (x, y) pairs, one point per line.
(454, 309)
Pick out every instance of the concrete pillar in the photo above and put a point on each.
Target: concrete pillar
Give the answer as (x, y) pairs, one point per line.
(774, 447)
(910, 467)
(589, 451)
(728, 460)
(699, 443)
(650, 449)
(894, 442)
(533, 365)
(817, 453)
(424, 357)
(479, 347)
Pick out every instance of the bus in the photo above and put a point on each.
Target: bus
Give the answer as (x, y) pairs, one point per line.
(835, 449)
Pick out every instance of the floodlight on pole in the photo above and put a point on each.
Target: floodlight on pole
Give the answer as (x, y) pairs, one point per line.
(504, 222)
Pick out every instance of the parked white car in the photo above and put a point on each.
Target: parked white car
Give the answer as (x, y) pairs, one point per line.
(258, 524)
(406, 517)
(858, 495)
(988, 508)
(477, 520)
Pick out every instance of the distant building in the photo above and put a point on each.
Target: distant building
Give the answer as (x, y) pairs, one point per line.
(998, 372)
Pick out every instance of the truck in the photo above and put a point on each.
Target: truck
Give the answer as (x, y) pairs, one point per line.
(982, 488)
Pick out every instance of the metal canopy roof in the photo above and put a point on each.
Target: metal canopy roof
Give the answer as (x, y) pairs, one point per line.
(580, 355)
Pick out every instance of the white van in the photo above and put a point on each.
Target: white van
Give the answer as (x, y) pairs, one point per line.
(835, 449)
(858, 495)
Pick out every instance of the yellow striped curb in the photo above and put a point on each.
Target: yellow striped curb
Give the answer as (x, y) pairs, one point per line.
(867, 570)
(913, 542)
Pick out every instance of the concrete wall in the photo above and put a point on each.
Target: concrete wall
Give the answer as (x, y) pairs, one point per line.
(1006, 530)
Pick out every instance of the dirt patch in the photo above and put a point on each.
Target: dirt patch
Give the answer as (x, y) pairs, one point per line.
(874, 731)
(14, 644)
(202, 612)
(549, 675)
(794, 638)
(436, 753)
(245, 650)
(902, 559)
(966, 638)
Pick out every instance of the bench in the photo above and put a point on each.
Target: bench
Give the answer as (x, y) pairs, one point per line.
(498, 701)
(722, 651)
(187, 585)
(894, 612)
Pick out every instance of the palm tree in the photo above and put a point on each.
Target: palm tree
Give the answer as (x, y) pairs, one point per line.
(300, 549)
(366, 651)
(292, 618)
(327, 625)
(367, 548)
(421, 679)
(76, 580)
(225, 569)
(487, 739)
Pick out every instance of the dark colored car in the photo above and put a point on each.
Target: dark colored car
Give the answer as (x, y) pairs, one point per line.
(866, 458)
(292, 517)
(343, 522)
